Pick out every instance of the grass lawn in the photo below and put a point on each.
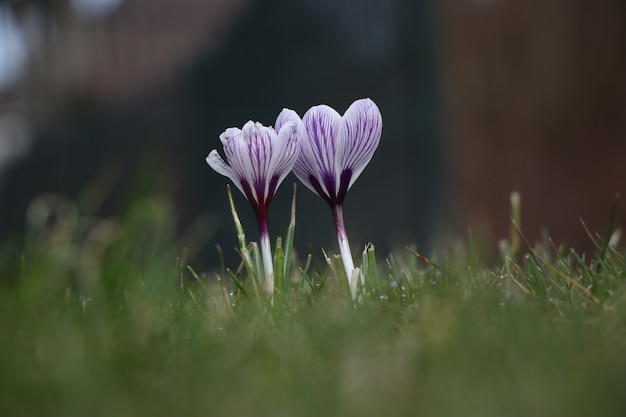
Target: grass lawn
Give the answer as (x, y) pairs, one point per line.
(103, 318)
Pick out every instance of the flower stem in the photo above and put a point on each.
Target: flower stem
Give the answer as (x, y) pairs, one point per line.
(266, 253)
(344, 247)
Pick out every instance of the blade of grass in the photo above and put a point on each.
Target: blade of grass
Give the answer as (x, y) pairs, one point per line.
(516, 215)
(291, 230)
(241, 237)
(530, 251)
(199, 280)
(237, 283)
(609, 232)
(424, 259)
(257, 265)
(220, 255)
(521, 286)
(369, 268)
(593, 239)
(279, 260)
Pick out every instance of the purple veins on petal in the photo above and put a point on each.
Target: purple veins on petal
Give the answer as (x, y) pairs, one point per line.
(257, 159)
(363, 125)
(337, 149)
(285, 116)
(318, 151)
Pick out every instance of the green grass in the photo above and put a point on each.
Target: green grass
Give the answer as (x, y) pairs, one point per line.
(103, 318)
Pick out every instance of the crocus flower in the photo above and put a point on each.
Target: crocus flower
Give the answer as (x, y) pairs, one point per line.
(258, 159)
(334, 150)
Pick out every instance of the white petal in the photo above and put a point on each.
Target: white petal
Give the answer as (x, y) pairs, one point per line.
(284, 116)
(229, 134)
(253, 159)
(238, 157)
(258, 158)
(362, 127)
(290, 129)
(286, 149)
(318, 153)
(216, 162)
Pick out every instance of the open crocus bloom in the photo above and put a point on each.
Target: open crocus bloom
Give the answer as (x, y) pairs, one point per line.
(258, 159)
(334, 150)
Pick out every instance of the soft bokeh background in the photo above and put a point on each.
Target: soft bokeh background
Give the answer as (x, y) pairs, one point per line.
(111, 101)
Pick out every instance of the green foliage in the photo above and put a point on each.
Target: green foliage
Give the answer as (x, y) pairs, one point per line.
(99, 317)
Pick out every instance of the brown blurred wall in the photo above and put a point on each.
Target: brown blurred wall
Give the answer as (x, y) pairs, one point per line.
(535, 98)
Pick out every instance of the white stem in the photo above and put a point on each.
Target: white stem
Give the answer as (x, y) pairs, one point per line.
(268, 265)
(348, 264)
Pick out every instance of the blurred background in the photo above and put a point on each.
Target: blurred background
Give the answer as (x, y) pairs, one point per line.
(104, 103)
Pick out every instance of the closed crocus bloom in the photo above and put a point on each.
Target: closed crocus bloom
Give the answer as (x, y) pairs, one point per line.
(334, 150)
(258, 158)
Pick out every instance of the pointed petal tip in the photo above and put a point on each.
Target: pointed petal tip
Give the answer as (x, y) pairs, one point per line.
(228, 134)
(322, 109)
(366, 104)
(210, 155)
(288, 126)
(286, 115)
(216, 162)
(366, 100)
(258, 129)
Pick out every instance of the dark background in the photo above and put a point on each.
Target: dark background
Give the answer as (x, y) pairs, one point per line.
(479, 98)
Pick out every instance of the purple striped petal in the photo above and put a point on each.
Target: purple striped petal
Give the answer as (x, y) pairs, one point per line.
(336, 149)
(316, 166)
(287, 115)
(285, 153)
(257, 159)
(363, 126)
(216, 162)
(302, 168)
